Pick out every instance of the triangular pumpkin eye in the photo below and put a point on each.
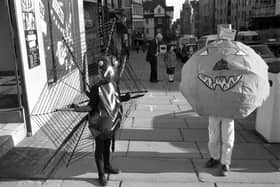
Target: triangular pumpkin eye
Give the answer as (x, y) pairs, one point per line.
(204, 53)
(240, 53)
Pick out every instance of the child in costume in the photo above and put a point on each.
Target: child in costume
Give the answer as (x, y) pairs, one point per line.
(105, 114)
(170, 62)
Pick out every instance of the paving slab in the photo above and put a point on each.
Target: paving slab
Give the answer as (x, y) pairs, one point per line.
(157, 107)
(201, 122)
(21, 183)
(248, 122)
(242, 151)
(186, 113)
(154, 170)
(84, 168)
(197, 122)
(195, 135)
(174, 93)
(185, 107)
(158, 122)
(121, 148)
(52, 183)
(25, 162)
(273, 149)
(245, 185)
(242, 171)
(6, 143)
(155, 101)
(276, 164)
(165, 184)
(250, 136)
(180, 101)
(151, 134)
(180, 96)
(150, 96)
(201, 135)
(157, 92)
(163, 149)
(251, 151)
(149, 114)
(87, 183)
(127, 123)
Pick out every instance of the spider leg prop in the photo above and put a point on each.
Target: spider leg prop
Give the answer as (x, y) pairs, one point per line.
(65, 141)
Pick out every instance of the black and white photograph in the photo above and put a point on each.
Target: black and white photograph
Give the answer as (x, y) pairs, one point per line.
(140, 93)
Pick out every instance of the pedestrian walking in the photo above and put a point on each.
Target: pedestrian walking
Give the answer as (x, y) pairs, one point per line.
(105, 114)
(170, 62)
(137, 46)
(151, 56)
(213, 82)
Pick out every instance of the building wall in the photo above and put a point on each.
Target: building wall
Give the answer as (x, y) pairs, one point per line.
(221, 15)
(159, 11)
(137, 16)
(149, 28)
(7, 62)
(207, 12)
(187, 18)
(241, 13)
(277, 7)
(195, 5)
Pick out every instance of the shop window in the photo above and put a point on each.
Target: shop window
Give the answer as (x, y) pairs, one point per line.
(61, 37)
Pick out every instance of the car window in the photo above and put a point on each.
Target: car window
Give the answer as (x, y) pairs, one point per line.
(210, 41)
(263, 51)
(201, 43)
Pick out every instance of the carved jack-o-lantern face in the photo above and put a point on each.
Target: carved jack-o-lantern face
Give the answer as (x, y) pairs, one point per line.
(225, 83)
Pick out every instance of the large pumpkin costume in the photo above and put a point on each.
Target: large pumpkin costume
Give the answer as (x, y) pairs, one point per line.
(226, 79)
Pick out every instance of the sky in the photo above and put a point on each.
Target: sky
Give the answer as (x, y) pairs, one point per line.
(177, 7)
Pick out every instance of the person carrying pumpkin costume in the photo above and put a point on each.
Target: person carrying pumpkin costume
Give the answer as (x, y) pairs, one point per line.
(225, 80)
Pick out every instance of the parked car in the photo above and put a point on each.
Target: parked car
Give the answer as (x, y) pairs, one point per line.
(186, 46)
(272, 61)
(248, 37)
(187, 51)
(274, 46)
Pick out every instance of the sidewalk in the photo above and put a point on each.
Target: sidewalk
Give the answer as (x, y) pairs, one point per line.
(162, 144)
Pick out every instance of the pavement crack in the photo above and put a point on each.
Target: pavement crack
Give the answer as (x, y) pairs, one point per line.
(197, 146)
(181, 134)
(195, 170)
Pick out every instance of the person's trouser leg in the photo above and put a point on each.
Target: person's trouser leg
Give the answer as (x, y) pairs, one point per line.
(99, 149)
(106, 153)
(153, 76)
(228, 140)
(214, 137)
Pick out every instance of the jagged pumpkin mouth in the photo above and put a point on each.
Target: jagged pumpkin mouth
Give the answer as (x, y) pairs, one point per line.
(224, 82)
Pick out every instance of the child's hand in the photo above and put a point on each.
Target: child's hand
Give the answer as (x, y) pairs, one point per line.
(127, 96)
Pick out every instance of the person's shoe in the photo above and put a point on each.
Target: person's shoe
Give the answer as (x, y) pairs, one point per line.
(224, 170)
(171, 81)
(111, 170)
(211, 163)
(102, 180)
(154, 81)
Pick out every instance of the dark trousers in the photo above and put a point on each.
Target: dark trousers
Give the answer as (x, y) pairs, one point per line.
(153, 63)
(102, 154)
